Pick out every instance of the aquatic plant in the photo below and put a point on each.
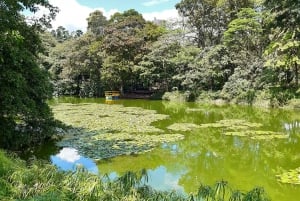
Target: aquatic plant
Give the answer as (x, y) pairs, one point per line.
(258, 134)
(290, 177)
(232, 124)
(183, 126)
(106, 145)
(104, 131)
(94, 117)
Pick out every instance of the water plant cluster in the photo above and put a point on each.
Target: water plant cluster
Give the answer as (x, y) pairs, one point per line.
(183, 126)
(233, 127)
(104, 131)
(290, 177)
(43, 182)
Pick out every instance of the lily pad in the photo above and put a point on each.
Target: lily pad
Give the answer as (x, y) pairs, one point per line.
(183, 126)
(104, 131)
(290, 177)
(106, 145)
(232, 124)
(108, 117)
(258, 134)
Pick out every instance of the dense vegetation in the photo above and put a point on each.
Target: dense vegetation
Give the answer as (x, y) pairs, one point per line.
(224, 49)
(221, 49)
(25, 117)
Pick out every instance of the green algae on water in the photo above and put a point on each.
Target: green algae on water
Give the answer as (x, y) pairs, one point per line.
(183, 127)
(258, 134)
(290, 177)
(107, 145)
(117, 118)
(104, 131)
(232, 124)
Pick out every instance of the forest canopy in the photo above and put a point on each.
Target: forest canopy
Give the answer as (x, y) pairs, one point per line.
(225, 49)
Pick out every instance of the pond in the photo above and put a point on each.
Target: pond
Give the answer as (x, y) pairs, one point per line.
(183, 144)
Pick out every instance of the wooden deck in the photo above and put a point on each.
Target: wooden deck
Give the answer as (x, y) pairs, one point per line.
(112, 95)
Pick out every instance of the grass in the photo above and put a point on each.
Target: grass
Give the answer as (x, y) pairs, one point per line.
(40, 181)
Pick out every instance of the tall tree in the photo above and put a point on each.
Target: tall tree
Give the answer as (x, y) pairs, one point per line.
(96, 23)
(245, 32)
(124, 43)
(61, 34)
(284, 24)
(207, 21)
(24, 113)
(158, 66)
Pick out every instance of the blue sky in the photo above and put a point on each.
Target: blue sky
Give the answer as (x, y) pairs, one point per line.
(139, 5)
(73, 13)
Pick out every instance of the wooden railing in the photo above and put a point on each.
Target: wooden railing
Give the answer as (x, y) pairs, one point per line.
(112, 93)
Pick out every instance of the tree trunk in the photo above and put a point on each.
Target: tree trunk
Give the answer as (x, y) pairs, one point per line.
(296, 75)
(122, 89)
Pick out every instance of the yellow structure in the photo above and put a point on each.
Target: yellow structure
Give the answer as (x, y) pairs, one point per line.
(112, 95)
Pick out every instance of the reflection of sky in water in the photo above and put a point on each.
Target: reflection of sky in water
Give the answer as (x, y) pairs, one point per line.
(291, 126)
(161, 179)
(68, 159)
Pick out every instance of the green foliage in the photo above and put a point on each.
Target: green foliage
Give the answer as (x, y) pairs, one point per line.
(24, 114)
(209, 70)
(97, 23)
(283, 22)
(177, 96)
(206, 20)
(280, 96)
(61, 34)
(158, 67)
(245, 31)
(127, 53)
(124, 46)
(40, 181)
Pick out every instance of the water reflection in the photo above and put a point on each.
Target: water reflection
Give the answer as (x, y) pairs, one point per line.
(69, 158)
(291, 126)
(206, 155)
(161, 179)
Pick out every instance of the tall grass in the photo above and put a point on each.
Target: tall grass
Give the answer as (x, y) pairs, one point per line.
(40, 181)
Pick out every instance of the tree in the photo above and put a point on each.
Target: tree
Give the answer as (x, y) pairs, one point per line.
(75, 66)
(245, 32)
(284, 25)
(97, 23)
(25, 116)
(61, 34)
(207, 21)
(158, 66)
(124, 46)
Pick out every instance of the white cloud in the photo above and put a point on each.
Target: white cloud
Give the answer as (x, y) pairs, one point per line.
(154, 2)
(73, 16)
(68, 154)
(162, 15)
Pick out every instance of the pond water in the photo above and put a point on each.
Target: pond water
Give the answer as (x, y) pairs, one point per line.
(207, 154)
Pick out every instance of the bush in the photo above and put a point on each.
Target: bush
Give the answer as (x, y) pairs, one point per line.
(280, 96)
(211, 97)
(176, 96)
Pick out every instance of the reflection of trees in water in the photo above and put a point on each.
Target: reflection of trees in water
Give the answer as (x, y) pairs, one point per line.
(212, 156)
